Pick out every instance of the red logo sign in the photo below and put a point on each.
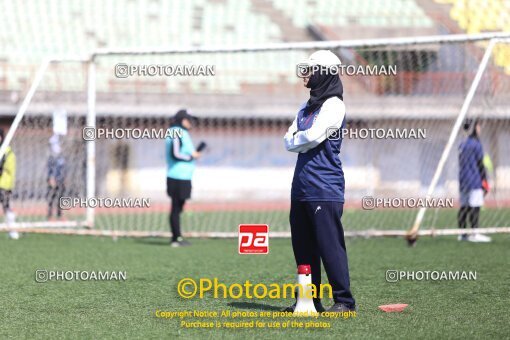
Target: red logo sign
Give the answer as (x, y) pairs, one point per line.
(253, 239)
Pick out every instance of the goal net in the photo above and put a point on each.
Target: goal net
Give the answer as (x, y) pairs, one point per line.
(404, 99)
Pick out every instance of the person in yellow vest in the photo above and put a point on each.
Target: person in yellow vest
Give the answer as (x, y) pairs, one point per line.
(7, 179)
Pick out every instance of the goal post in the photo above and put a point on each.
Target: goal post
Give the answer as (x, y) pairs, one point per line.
(244, 110)
(28, 137)
(91, 144)
(453, 135)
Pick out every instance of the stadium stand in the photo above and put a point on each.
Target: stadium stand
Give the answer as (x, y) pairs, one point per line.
(395, 13)
(31, 35)
(76, 28)
(83, 28)
(475, 16)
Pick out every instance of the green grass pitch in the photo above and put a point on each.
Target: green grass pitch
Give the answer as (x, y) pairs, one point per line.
(278, 220)
(95, 310)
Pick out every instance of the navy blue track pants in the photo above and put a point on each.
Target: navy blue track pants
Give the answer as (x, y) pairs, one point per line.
(317, 233)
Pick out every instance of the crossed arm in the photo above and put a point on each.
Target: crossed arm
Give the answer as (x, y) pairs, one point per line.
(328, 119)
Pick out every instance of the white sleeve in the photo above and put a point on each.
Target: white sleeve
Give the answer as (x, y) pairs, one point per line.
(289, 136)
(329, 118)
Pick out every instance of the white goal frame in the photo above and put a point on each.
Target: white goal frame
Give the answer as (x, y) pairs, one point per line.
(87, 226)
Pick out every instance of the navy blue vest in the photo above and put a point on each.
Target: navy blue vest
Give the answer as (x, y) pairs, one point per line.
(318, 175)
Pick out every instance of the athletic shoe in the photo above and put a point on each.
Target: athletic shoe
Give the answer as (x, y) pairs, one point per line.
(318, 307)
(479, 238)
(341, 308)
(462, 237)
(183, 242)
(180, 243)
(14, 235)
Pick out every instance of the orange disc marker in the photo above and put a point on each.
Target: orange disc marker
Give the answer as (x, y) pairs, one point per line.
(398, 307)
